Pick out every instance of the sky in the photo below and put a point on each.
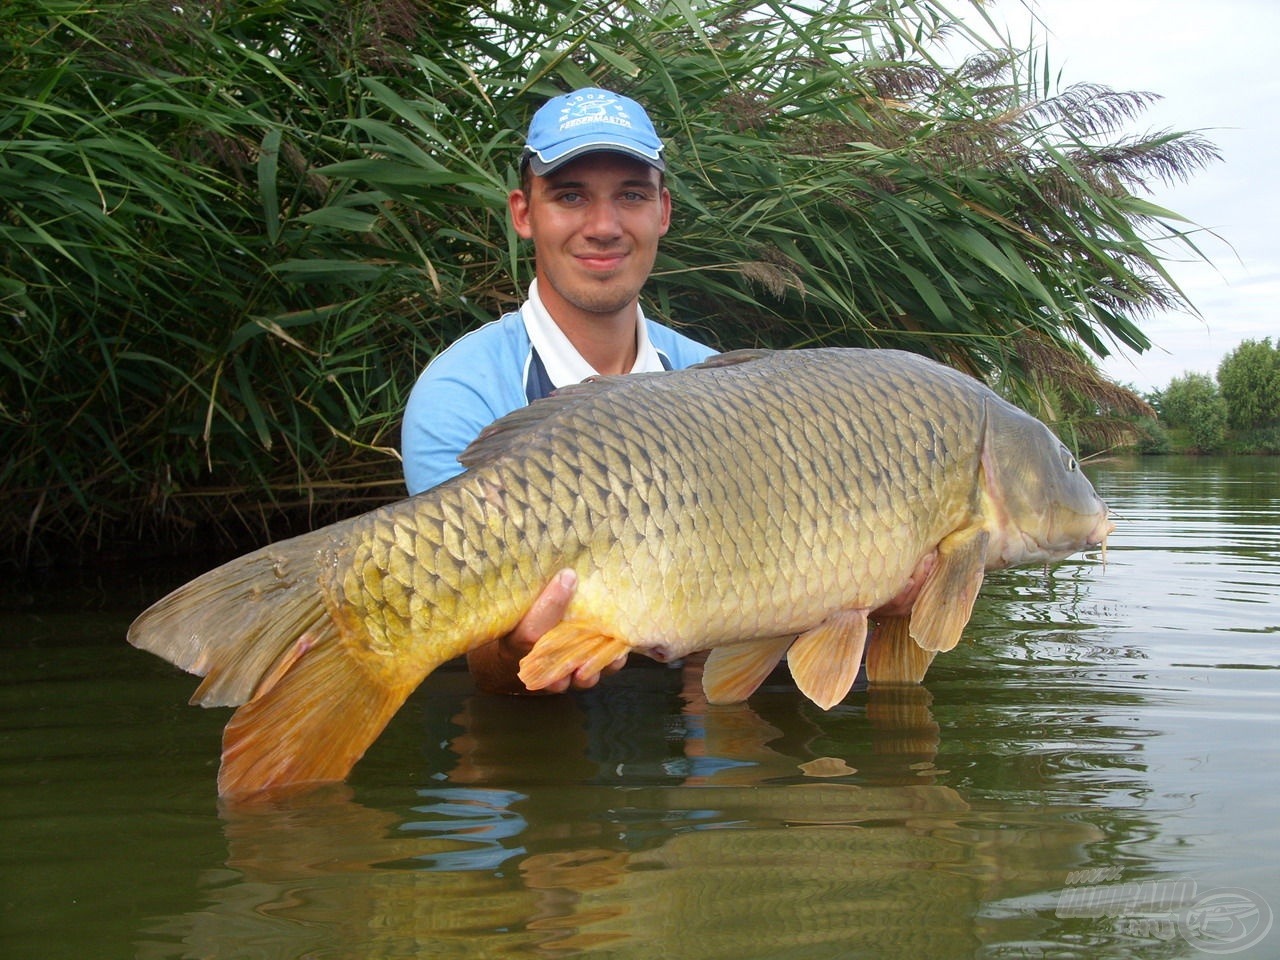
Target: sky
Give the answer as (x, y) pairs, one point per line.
(1213, 66)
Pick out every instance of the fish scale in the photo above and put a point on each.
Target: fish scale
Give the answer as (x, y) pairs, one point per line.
(762, 505)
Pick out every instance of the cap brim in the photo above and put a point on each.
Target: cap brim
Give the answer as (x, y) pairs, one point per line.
(544, 165)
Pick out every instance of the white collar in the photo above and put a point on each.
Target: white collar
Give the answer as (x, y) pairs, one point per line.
(563, 362)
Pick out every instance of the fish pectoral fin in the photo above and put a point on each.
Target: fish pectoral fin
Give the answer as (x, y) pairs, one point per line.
(824, 660)
(567, 648)
(733, 672)
(945, 603)
(892, 656)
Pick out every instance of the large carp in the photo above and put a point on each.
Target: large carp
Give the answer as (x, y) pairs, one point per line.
(763, 504)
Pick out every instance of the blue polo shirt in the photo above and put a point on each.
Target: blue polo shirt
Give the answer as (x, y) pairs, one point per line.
(485, 375)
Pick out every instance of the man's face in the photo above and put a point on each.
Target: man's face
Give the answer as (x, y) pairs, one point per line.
(595, 224)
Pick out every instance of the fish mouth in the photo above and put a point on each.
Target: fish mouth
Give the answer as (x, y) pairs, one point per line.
(1098, 536)
(1105, 527)
(1059, 543)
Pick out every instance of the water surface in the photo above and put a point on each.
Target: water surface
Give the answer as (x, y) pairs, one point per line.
(1105, 732)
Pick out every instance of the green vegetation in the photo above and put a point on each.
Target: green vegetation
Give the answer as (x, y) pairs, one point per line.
(1192, 403)
(232, 233)
(1239, 412)
(1249, 378)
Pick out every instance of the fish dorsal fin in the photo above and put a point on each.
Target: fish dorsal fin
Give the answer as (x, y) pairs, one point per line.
(945, 604)
(497, 438)
(824, 660)
(893, 657)
(733, 672)
(732, 358)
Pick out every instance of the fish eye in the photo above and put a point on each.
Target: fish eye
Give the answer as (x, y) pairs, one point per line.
(1068, 461)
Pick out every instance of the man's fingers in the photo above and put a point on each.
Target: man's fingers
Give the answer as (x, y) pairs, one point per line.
(546, 612)
(585, 681)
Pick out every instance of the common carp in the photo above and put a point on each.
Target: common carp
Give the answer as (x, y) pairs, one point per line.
(761, 505)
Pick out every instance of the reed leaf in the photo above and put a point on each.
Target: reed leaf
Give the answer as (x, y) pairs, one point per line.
(231, 234)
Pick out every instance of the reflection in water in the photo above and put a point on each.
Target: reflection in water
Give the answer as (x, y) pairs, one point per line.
(729, 832)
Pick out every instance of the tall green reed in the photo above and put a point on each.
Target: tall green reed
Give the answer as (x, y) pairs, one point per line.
(232, 233)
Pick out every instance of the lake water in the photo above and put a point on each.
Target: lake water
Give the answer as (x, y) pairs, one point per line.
(1091, 774)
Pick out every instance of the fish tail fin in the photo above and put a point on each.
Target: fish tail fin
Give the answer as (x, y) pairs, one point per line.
(239, 624)
(893, 656)
(263, 635)
(566, 648)
(313, 722)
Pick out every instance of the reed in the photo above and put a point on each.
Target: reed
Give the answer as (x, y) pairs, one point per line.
(232, 233)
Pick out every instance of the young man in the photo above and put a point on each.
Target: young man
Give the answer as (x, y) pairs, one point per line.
(593, 201)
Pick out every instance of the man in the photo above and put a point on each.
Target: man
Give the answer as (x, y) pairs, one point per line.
(593, 200)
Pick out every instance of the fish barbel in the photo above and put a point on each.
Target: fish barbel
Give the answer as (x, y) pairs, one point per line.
(761, 505)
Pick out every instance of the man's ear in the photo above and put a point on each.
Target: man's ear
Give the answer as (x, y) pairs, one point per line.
(518, 207)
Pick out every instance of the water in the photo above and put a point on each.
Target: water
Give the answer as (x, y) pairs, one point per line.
(1098, 757)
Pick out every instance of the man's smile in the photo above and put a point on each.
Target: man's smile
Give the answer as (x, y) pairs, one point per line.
(601, 260)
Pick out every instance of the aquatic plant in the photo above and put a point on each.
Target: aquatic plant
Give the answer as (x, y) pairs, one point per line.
(231, 233)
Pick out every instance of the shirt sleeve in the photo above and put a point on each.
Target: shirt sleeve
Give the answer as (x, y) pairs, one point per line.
(680, 350)
(443, 415)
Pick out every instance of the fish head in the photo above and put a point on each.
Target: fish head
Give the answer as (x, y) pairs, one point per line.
(1040, 505)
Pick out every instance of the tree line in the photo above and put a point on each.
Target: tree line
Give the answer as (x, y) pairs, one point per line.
(1237, 410)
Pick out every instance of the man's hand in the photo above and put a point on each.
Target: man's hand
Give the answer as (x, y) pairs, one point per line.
(495, 665)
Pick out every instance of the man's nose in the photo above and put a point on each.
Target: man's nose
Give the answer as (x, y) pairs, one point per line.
(603, 222)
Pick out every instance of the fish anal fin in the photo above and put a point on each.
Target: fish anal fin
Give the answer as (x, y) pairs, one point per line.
(733, 672)
(824, 660)
(945, 603)
(311, 719)
(893, 657)
(566, 648)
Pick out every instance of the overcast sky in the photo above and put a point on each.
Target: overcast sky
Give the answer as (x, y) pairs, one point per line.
(1213, 65)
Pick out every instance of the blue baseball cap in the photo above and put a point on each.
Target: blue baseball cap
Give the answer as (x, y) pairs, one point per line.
(587, 120)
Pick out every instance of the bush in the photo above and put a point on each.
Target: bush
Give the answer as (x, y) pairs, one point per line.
(231, 234)
(1260, 440)
(1192, 402)
(1249, 379)
(1152, 437)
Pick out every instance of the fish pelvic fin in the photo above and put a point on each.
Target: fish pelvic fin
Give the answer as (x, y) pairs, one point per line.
(946, 599)
(734, 672)
(824, 660)
(569, 646)
(893, 657)
(312, 718)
